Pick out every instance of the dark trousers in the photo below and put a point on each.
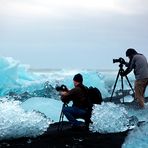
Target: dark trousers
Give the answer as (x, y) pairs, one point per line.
(72, 113)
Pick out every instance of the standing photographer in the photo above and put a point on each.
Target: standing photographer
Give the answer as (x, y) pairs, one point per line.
(138, 62)
(80, 102)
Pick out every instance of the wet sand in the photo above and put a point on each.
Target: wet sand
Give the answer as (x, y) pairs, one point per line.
(68, 138)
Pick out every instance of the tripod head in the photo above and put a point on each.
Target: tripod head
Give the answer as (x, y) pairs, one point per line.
(121, 62)
(121, 65)
(121, 70)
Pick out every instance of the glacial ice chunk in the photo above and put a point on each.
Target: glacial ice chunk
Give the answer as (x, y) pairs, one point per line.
(16, 123)
(109, 118)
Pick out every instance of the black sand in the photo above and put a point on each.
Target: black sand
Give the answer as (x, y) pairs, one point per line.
(68, 138)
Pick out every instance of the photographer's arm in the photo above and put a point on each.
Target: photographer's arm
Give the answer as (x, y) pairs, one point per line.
(68, 96)
(64, 97)
(126, 72)
(129, 66)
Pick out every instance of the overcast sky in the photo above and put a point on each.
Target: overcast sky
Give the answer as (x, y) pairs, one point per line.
(72, 33)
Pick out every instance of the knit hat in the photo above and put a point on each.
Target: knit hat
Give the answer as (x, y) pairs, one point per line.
(78, 78)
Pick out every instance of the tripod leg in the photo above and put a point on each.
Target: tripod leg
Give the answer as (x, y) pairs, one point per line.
(61, 115)
(129, 84)
(115, 85)
(60, 126)
(122, 87)
(61, 119)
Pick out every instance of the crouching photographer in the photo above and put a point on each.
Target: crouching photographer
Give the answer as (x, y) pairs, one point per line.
(79, 108)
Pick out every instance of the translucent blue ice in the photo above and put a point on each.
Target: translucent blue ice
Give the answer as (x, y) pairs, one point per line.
(15, 122)
(31, 117)
(109, 118)
(50, 107)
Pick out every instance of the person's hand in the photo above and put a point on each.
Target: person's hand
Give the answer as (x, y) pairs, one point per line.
(122, 61)
(63, 93)
(64, 99)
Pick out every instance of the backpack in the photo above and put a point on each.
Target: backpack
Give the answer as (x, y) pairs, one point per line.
(94, 95)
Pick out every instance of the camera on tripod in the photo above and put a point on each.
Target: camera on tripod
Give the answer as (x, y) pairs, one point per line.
(120, 60)
(120, 73)
(61, 88)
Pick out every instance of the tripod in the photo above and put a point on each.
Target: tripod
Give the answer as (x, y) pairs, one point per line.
(60, 126)
(121, 70)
